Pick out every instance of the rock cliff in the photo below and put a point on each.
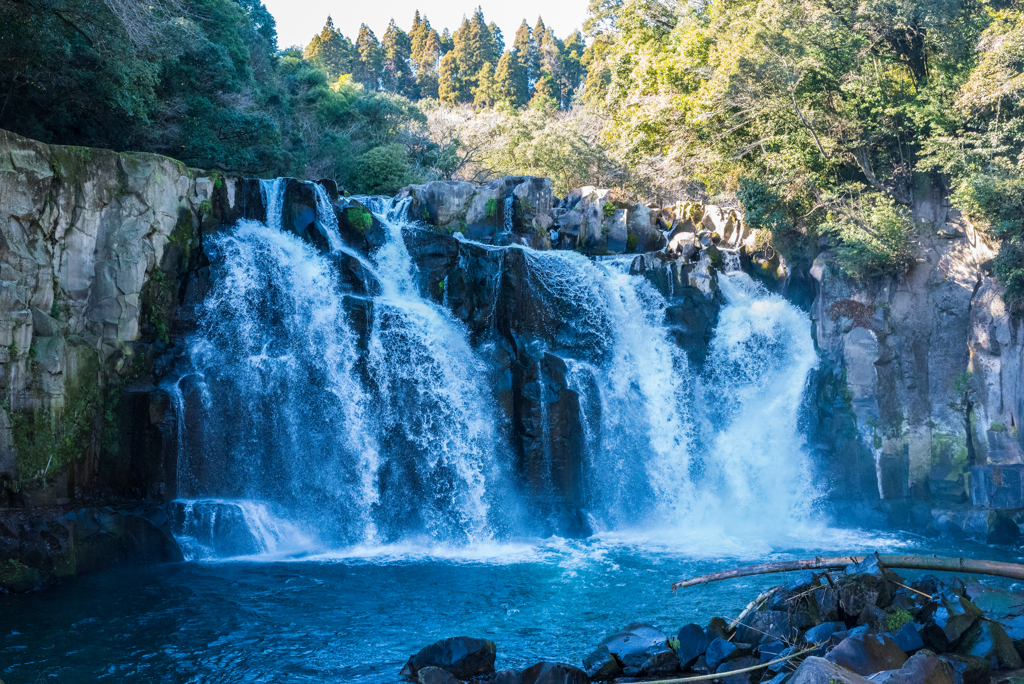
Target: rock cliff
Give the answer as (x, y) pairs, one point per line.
(928, 368)
(94, 248)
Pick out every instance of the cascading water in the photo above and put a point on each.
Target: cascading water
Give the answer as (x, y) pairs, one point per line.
(757, 369)
(666, 449)
(389, 433)
(435, 414)
(342, 451)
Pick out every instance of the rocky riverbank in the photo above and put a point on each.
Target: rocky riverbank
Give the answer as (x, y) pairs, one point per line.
(863, 624)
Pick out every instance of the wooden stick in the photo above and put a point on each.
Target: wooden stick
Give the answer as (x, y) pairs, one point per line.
(720, 675)
(753, 605)
(932, 563)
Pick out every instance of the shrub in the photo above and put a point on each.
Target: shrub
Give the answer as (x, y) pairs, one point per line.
(869, 237)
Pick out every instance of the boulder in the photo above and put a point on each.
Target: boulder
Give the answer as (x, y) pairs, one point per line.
(866, 654)
(435, 675)
(358, 227)
(866, 583)
(554, 673)
(986, 639)
(693, 642)
(601, 665)
(508, 677)
(641, 647)
(740, 678)
(908, 637)
(923, 668)
(463, 657)
(721, 651)
(945, 620)
(968, 669)
(299, 214)
(820, 671)
(996, 603)
(823, 632)
(765, 625)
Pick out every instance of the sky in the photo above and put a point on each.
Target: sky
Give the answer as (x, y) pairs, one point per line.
(298, 20)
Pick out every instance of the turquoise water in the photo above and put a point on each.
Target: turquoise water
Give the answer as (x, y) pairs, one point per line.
(356, 616)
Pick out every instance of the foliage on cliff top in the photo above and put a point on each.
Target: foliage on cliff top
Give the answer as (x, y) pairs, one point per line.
(830, 108)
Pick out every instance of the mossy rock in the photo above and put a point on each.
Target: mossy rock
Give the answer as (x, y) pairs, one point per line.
(17, 578)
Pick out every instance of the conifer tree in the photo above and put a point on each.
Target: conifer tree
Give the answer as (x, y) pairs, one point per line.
(536, 37)
(499, 39)
(550, 54)
(510, 80)
(396, 49)
(447, 44)
(450, 87)
(425, 56)
(521, 46)
(330, 51)
(370, 63)
(572, 67)
(484, 94)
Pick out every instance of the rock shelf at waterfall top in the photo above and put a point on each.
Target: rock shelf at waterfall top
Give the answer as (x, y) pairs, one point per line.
(861, 625)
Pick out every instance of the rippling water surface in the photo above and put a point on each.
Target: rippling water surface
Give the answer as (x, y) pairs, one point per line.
(356, 616)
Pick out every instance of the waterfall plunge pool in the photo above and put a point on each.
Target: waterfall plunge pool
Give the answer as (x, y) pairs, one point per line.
(356, 615)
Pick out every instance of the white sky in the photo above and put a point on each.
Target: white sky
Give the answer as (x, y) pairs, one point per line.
(298, 20)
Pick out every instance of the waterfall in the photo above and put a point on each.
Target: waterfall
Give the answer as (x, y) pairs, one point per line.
(310, 418)
(665, 447)
(344, 441)
(434, 407)
(757, 369)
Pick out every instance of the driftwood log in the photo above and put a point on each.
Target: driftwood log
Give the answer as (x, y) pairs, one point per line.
(931, 563)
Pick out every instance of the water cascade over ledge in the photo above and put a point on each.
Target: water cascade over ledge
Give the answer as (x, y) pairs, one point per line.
(314, 415)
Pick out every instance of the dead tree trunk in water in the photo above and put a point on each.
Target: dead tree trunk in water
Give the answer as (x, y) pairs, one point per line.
(932, 563)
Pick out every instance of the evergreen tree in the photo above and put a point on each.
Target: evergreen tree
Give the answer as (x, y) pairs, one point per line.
(371, 59)
(450, 87)
(521, 46)
(595, 62)
(425, 56)
(447, 43)
(499, 39)
(330, 51)
(511, 84)
(550, 53)
(481, 38)
(396, 48)
(545, 92)
(485, 93)
(572, 66)
(536, 37)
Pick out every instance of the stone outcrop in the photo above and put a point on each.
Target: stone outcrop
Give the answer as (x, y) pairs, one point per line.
(928, 368)
(95, 248)
(524, 210)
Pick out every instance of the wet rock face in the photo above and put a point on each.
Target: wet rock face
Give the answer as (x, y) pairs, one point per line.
(39, 550)
(933, 378)
(461, 657)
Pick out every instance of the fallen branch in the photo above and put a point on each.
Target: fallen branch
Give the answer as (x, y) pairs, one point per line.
(932, 563)
(753, 605)
(720, 675)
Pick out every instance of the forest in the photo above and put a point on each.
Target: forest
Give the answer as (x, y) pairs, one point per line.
(819, 118)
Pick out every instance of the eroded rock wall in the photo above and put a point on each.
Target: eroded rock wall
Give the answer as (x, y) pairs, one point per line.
(95, 248)
(928, 367)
